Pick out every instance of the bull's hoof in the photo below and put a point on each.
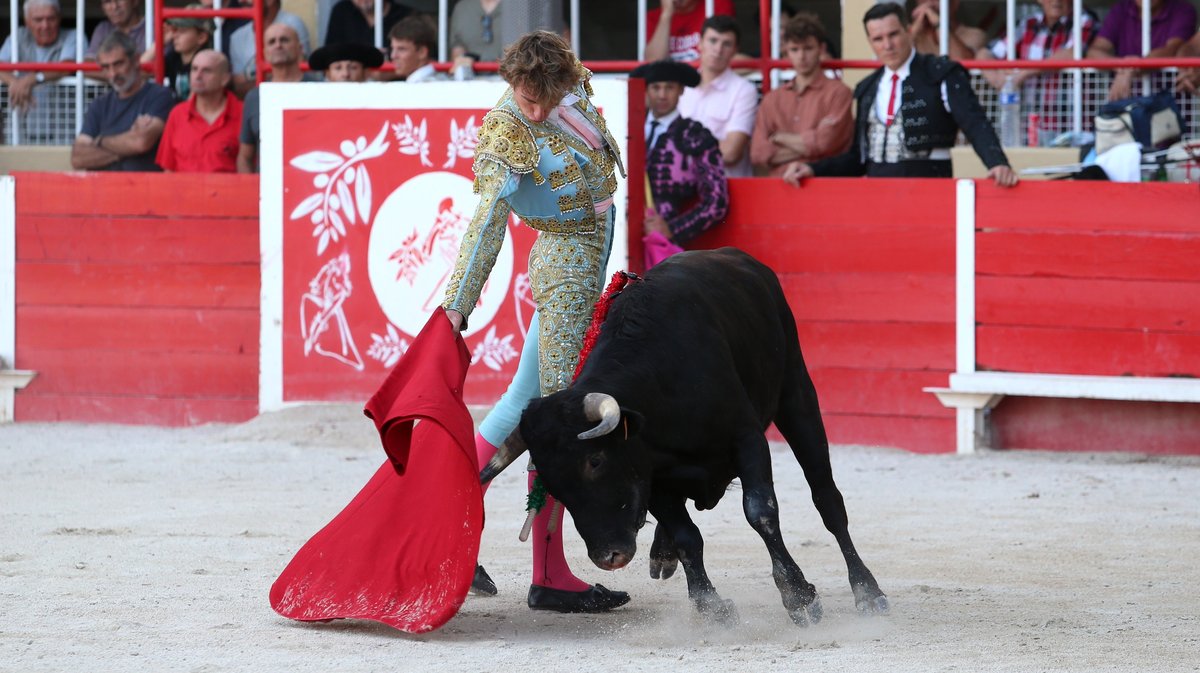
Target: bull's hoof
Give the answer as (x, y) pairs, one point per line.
(871, 601)
(720, 610)
(664, 556)
(874, 606)
(808, 615)
(482, 584)
(662, 568)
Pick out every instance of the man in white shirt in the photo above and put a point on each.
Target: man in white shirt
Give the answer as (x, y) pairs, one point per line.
(910, 112)
(724, 102)
(242, 50)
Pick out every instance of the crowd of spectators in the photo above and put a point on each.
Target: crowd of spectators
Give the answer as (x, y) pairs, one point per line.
(806, 120)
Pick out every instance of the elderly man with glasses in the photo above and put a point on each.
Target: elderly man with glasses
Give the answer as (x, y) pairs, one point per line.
(42, 119)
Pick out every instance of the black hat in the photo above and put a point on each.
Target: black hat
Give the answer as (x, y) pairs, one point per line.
(667, 71)
(322, 58)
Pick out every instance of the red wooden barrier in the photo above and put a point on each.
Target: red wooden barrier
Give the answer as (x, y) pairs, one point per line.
(1079, 278)
(869, 274)
(138, 300)
(137, 297)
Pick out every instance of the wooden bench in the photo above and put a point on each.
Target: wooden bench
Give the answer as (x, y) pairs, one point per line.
(972, 394)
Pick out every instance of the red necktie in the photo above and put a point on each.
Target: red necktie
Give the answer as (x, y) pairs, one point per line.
(891, 115)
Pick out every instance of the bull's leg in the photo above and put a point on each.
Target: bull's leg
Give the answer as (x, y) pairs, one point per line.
(799, 421)
(762, 512)
(674, 520)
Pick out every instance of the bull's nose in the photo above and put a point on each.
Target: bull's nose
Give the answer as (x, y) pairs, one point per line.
(614, 560)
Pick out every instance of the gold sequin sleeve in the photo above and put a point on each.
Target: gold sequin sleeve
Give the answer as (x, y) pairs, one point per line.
(481, 244)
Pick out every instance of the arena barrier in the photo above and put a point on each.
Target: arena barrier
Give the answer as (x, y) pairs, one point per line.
(141, 298)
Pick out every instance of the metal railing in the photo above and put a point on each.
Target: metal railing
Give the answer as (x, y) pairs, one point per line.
(1063, 100)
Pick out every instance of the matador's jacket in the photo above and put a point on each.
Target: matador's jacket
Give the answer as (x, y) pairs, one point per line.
(560, 182)
(687, 179)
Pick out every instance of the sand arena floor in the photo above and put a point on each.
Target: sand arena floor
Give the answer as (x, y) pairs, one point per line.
(150, 549)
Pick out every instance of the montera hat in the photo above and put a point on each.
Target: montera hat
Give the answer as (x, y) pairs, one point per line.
(667, 71)
(322, 58)
(196, 22)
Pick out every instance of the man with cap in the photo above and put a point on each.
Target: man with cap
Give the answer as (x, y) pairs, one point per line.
(189, 36)
(684, 171)
(345, 61)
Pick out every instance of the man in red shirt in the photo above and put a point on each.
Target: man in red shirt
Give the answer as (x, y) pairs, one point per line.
(201, 135)
(675, 28)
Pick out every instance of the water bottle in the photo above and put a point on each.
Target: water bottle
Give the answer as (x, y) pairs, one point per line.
(1010, 113)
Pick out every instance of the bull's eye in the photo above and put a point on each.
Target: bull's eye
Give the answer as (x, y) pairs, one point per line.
(593, 465)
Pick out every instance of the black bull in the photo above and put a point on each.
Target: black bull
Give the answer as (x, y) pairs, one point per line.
(690, 367)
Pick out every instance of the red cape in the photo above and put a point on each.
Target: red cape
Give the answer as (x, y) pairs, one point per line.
(403, 552)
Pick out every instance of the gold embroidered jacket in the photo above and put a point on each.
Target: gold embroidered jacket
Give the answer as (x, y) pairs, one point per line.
(548, 176)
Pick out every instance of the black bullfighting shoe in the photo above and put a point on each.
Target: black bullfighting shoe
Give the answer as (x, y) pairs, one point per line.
(482, 585)
(595, 599)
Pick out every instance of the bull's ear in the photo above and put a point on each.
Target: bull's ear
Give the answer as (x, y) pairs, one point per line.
(631, 423)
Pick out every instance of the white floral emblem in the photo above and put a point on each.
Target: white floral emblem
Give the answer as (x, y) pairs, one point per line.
(462, 142)
(411, 140)
(387, 348)
(333, 204)
(494, 352)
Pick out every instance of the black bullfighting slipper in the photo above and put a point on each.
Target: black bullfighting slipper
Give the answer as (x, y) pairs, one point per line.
(595, 599)
(482, 585)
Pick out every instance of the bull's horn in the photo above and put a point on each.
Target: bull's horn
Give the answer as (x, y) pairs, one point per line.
(600, 407)
(510, 450)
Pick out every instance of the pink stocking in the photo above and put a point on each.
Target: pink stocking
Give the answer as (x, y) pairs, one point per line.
(550, 567)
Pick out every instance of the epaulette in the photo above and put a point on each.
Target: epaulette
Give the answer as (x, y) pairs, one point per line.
(505, 139)
(585, 79)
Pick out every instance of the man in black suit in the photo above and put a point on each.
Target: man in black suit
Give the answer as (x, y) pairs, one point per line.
(910, 112)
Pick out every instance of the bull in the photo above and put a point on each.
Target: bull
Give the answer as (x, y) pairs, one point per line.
(688, 371)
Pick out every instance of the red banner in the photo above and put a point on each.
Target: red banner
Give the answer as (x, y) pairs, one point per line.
(375, 203)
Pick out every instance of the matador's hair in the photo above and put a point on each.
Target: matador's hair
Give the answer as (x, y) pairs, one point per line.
(543, 63)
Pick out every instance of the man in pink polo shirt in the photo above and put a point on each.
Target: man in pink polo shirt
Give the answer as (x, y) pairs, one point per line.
(201, 135)
(724, 102)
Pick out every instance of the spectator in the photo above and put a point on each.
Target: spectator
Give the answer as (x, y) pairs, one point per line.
(674, 29)
(242, 50)
(724, 102)
(1188, 80)
(201, 135)
(413, 42)
(122, 127)
(474, 25)
(684, 172)
(964, 40)
(124, 16)
(931, 94)
(345, 62)
(1045, 36)
(809, 118)
(281, 46)
(1172, 23)
(354, 21)
(189, 36)
(40, 40)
